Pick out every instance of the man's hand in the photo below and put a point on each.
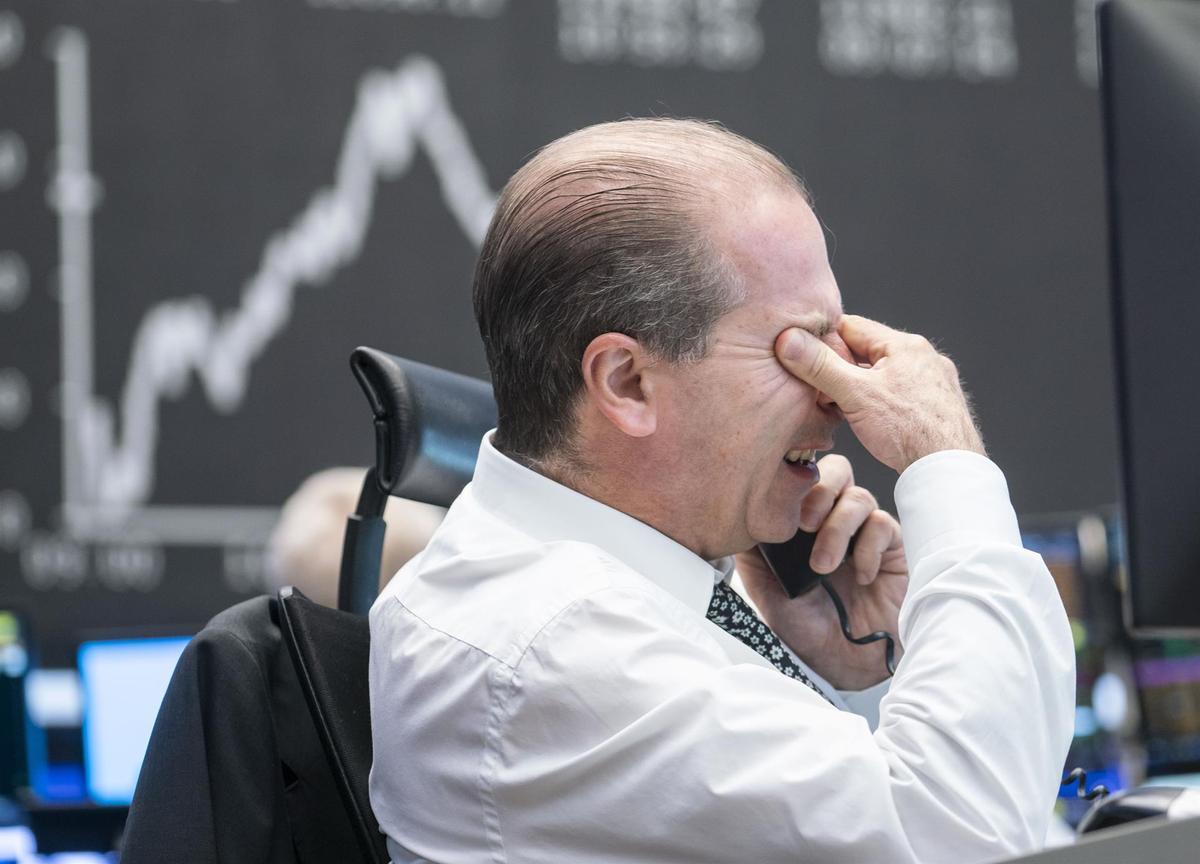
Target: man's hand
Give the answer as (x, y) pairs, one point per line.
(871, 581)
(903, 401)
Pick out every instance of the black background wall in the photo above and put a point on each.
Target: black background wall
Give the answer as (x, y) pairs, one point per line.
(170, 201)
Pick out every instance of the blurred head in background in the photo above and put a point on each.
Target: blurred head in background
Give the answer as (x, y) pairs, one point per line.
(305, 549)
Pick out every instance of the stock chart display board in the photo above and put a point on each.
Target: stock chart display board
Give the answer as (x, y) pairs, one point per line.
(206, 204)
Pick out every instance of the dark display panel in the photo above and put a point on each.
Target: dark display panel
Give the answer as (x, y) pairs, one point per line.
(1152, 113)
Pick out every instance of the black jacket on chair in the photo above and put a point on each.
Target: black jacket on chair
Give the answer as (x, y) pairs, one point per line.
(235, 771)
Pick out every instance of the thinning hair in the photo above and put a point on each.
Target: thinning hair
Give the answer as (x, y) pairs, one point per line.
(607, 230)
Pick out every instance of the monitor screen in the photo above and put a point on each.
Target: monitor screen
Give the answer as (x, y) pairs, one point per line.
(123, 684)
(1076, 551)
(1168, 679)
(14, 662)
(1150, 66)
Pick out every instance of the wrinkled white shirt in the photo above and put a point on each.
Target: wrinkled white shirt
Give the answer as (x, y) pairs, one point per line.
(545, 687)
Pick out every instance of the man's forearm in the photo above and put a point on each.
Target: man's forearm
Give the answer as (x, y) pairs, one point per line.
(978, 719)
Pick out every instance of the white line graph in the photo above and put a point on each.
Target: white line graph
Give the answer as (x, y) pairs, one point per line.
(108, 473)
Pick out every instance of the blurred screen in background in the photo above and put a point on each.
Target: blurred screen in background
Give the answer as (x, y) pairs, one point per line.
(123, 684)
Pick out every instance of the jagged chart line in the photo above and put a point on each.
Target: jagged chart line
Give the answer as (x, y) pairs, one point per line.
(395, 113)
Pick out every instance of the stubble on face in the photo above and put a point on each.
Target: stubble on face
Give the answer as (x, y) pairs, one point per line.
(732, 416)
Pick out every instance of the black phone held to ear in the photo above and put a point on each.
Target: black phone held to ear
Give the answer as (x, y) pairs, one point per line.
(789, 562)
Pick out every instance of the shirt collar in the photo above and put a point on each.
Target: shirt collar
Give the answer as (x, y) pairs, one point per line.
(549, 512)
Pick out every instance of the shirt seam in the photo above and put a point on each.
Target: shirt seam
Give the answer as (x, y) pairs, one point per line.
(498, 715)
(408, 609)
(552, 620)
(488, 762)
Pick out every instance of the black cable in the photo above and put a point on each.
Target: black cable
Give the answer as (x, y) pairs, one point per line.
(1078, 774)
(889, 650)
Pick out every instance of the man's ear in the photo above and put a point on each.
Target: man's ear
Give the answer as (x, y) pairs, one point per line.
(614, 367)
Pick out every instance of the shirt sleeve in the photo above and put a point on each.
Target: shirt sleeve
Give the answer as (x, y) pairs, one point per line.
(988, 681)
(627, 734)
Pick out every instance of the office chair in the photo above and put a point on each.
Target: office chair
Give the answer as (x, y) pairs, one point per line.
(262, 748)
(329, 649)
(235, 772)
(428, 425)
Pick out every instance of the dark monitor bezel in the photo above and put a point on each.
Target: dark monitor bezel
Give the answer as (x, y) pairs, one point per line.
(1105, 12)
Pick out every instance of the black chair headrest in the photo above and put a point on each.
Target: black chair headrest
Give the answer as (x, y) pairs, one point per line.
(428, 424)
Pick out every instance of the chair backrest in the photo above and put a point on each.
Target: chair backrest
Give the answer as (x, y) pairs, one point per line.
(330, 651)
(428, 424)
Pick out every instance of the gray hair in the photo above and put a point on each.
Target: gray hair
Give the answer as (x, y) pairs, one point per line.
(607, 230)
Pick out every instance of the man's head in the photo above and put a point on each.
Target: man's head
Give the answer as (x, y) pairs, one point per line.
(626, 294)
(305, 547)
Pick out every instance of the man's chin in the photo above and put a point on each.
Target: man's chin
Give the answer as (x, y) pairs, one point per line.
(776, 533)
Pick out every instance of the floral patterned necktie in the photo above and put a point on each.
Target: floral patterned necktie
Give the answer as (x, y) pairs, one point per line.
(733, 615)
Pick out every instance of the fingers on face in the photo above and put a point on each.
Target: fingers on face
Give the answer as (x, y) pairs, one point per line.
(815, 363)
(867, 339)
(849, 516)
(879, 534)
(836, 476)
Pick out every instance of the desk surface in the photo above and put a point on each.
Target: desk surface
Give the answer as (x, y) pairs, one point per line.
(1152, 841)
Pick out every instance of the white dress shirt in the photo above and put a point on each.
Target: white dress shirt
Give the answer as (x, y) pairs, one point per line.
(545, 687)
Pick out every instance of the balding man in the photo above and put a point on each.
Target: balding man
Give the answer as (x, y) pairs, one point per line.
(305, 546)
(565, 674)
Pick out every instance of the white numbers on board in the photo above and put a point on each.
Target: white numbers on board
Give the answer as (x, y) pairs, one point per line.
(14, 519)
(459, 8)
(14, 398)
(51, 562)
(12, 38)
(12, 160)
(715, 34)
(245, 569)
(973, 40)
(129, 567)
(14, 281)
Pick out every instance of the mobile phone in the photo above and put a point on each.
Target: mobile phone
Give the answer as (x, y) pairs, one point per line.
(789, 562)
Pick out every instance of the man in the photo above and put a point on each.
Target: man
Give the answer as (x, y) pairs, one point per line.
(549, 680)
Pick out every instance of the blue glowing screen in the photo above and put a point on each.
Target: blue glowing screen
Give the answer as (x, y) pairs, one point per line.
(123, 685)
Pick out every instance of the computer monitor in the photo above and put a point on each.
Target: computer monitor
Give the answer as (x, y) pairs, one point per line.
(1076, 549)
(1150, 72)
(1168, 679)
(14, 663)
(124, 682)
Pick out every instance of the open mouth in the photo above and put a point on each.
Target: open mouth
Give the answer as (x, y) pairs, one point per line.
(798, 457)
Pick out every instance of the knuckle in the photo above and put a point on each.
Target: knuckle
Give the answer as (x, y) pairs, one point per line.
(862, 497)
(884, 525)
(867, 552)
(890, 534)
(869, 545)
(838, 469)
(884, 518)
